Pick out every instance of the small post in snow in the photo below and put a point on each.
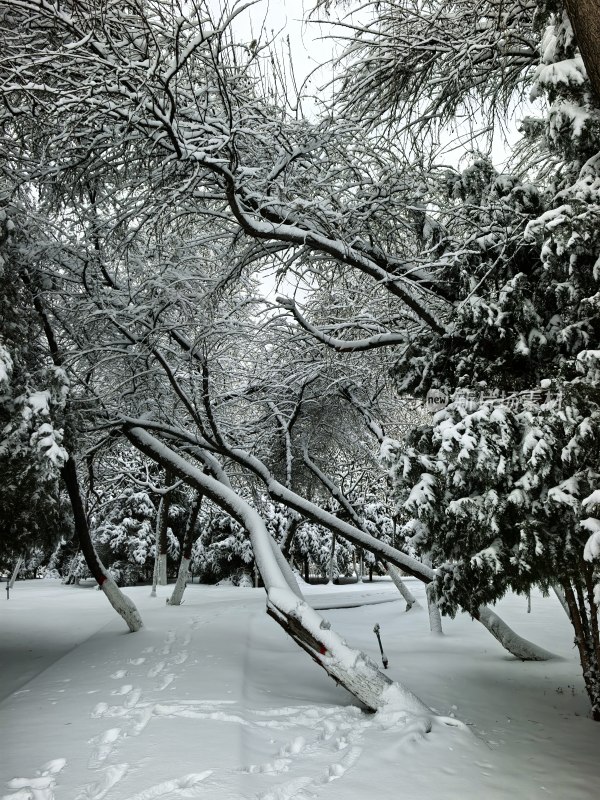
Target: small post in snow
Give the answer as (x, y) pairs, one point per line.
(384, 658)
(7, 589)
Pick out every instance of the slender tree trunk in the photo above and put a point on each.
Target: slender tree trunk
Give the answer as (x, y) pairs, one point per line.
(186, 551)
(69, 578)
(119, 601)
(154, 571)
(561, 597)
(394, 574)
(306, 571)
(15, 572)
(290, 532)
(285, 568)
(330, 570)
(162, 524)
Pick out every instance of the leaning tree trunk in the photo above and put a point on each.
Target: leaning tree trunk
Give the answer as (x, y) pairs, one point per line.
(186, 554)
(394, 574)
(13, 577)
(351, 668)
(119, 601)
(516, 645)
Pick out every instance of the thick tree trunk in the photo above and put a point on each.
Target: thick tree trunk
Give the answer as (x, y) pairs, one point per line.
(353, 669)
(120, 602)
(186, 551)
(585, 19)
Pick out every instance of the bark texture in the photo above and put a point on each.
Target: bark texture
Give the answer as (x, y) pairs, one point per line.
(585, 19)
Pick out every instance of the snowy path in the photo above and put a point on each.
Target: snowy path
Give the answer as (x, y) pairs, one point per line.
(212, 700)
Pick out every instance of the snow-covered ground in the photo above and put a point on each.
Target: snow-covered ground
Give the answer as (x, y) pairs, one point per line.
(212, 700)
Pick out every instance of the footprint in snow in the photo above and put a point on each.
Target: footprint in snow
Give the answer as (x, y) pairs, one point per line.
(166, 681)
(158, 667)
(136, 661)
(40, 787)
(109, 778)
(184, 787)
(119, 674)
(125, 689)
(103, 746)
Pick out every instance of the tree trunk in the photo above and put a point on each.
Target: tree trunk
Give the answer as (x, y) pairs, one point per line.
(561, 597)
(588, 652)
(394, 574)
(162, 524)
(516, 645)
(290, 532)
(69, 578)
(15, 572)
(154, 570)
(353, 669)
(330, 571)
(584, 16)
(119, 601)
(186, 551)
(435, 618)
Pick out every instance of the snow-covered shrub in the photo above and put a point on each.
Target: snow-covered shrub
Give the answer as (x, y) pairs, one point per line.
(126, 536)
(223, 549)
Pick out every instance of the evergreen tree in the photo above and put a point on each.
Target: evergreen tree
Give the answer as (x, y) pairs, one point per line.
(503, 484)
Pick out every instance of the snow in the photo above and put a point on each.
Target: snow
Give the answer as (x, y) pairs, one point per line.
(212, 699)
